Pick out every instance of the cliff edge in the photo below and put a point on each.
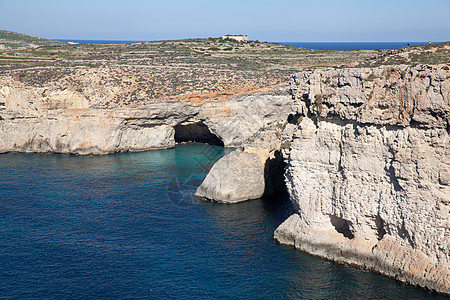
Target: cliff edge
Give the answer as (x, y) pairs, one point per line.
(368, 169)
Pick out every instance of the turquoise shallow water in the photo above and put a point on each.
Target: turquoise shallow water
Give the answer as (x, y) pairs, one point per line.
(127, 226)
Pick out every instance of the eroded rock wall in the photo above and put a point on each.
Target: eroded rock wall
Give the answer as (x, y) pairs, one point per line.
(55, 118)
(368, 168)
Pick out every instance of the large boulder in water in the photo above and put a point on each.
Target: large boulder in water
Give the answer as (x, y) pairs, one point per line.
(236, 177)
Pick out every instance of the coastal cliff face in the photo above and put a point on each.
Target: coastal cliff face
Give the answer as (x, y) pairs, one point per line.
(61, 119)
(368, 169)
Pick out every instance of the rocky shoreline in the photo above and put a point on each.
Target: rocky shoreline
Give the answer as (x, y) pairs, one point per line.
(31, 120)
(368, 170)
(364, 154)
(367, 159)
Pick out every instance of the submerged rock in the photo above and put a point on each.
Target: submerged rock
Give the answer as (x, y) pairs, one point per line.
(236, 177)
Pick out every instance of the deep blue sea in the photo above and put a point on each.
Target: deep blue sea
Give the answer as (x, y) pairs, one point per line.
(128, 226)
(308, 45)
(353, 45)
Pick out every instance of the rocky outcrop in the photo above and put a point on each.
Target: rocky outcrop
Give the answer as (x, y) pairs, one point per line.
(244, 175)
(236, 177)
(367, 168)
(83, 132)
(259, 163)
(57, 120)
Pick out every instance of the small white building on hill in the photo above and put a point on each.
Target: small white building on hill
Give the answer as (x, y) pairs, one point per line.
(239, 38)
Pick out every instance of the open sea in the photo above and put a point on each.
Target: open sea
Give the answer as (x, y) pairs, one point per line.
(127, 226)
(308, 45)
(353, 45)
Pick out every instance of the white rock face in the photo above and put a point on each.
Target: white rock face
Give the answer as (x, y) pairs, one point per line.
(147, 138)
(369, 175)
(241, 119)
(236, 177)
(53, 119)
(80, 132)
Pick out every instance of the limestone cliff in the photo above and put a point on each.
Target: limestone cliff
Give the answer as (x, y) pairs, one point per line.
(368, 168)
(59, 119)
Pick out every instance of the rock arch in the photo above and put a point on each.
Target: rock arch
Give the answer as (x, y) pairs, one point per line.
(196, 131)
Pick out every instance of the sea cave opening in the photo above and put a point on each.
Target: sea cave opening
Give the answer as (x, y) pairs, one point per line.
(196, 131)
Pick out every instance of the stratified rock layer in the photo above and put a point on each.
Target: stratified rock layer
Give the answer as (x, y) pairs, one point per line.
(58, 120)
(368, 170)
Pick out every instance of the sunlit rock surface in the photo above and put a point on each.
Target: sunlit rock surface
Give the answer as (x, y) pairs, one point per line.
(368, 168)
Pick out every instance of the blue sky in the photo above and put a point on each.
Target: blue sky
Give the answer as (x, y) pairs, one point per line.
(281, 20)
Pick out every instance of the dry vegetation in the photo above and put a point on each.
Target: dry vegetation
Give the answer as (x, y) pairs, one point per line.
(412, 56)
(13, 40)
(142, 72)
